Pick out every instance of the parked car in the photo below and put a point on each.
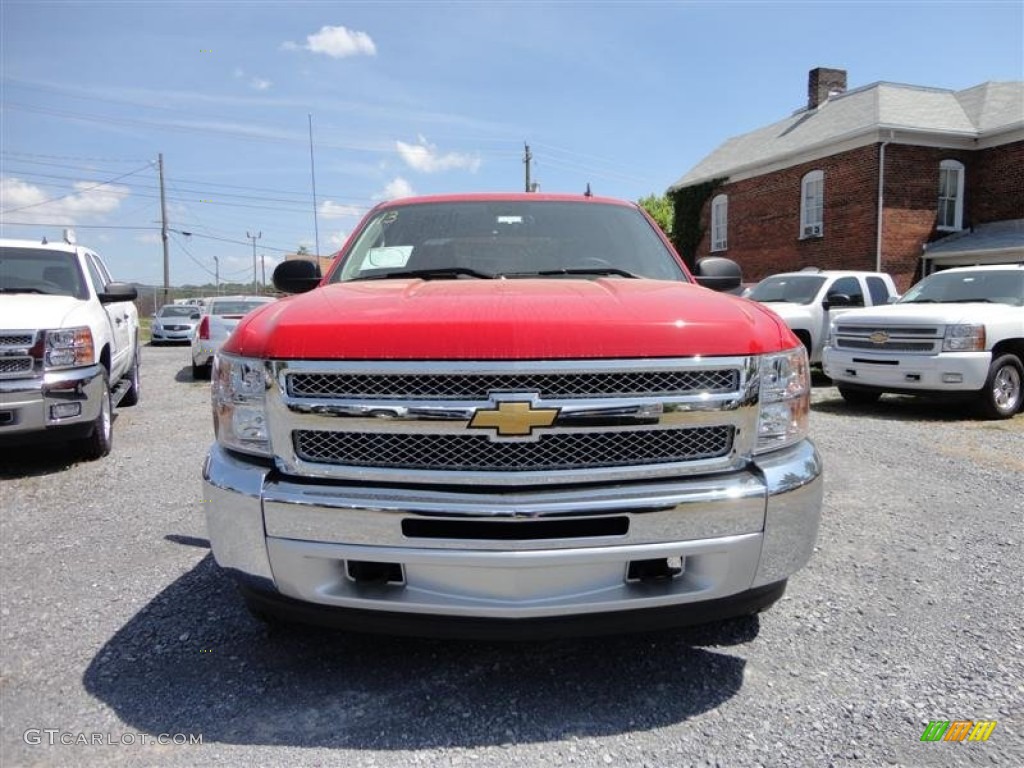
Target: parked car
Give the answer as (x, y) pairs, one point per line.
(957, 333)
(808, 300)
(505, 414)
(174, 322)
(69, 345)
(219, 318)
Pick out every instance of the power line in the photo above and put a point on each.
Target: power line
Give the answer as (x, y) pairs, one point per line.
(290, 206)
(71, 157)
(77, 226)
(194, 259)
(80, 191)
(300, 195)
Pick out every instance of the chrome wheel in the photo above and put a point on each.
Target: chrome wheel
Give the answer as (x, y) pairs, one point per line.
(1001, 397)
(1006, 388)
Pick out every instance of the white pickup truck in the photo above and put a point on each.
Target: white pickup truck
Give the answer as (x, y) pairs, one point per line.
(957, 333)
(808, 300)
(69, 345)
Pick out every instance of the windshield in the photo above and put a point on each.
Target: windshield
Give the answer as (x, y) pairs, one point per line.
(178, 310)
(237, 306)
(38, 270)
(995, 286)
(510, 239)
(794, 289)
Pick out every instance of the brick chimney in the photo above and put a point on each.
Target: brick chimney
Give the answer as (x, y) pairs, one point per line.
(822, 83)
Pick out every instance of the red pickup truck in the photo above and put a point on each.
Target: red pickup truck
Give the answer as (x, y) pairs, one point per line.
(510, 415)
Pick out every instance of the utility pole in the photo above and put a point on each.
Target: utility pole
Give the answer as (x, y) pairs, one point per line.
(163, 228)
(216, 274)
(263, 270)
(527, 157)
(254, 238)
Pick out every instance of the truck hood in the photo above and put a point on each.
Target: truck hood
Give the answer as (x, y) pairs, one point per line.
(517, 319)
(26, 311)
(930, 314)
(789, 311)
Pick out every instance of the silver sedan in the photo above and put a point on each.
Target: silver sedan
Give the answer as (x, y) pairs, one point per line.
(220, 316)
(174, 322)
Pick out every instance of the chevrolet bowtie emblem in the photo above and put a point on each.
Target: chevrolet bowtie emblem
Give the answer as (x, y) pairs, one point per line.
(514, 418)
(878, 337)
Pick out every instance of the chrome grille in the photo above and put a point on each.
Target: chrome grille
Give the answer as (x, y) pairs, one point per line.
(15, 365)
(16, 339)
(479, 386)
(477, 453)
(892, 330)
(886, 346)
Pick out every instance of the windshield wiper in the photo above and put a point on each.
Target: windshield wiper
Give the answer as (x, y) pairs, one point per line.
(428, 274)
(579, 271)
(23, 290)
(968, 301)
(921, 301)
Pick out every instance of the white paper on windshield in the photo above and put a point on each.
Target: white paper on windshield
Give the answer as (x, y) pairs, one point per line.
(387, 256)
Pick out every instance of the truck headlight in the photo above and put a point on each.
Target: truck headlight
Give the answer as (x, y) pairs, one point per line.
(785, 399)
(239, 394)
(968, 337)
(68, 348)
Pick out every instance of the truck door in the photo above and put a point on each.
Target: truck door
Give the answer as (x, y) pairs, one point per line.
(119, 316)
(852, 296)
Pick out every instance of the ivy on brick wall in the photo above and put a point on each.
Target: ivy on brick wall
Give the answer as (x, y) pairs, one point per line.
(688, 202)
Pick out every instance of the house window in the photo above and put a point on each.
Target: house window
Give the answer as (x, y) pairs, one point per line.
(719, 223)
(812, 204)
(951, 195)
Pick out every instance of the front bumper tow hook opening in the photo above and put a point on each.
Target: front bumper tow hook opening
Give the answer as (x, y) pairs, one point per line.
(650, 571)
(368, 572)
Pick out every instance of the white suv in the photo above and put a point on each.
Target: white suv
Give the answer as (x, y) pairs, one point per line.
(959, 332)
(69, 345)
(808, 300)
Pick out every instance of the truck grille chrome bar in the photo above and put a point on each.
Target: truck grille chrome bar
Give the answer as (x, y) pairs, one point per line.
(479, 386)
(476, 453)
(523, 423)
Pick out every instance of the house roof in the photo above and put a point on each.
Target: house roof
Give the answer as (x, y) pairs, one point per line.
(985, 110)
(995, 241)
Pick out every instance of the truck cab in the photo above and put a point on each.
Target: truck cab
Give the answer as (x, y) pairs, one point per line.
(69, 345)
(810, 299)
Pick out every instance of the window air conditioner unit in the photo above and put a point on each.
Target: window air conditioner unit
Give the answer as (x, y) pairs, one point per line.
(812, 230)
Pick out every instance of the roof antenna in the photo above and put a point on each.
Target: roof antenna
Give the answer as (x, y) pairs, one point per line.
(588, 193)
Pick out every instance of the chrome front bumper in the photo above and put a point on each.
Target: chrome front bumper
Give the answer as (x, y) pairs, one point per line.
(27, 405)
(729, 533)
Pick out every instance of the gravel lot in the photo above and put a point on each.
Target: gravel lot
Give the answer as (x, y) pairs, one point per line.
(115, 621)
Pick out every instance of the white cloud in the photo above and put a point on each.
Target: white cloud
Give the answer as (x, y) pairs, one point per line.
(336, 42)
(397, 187)
(149, 238)
(424, 157)
(332, 210)
(337, 239)
(90, 202)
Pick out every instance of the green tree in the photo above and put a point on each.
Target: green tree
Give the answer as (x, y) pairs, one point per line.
(661, 210)
(303, 251)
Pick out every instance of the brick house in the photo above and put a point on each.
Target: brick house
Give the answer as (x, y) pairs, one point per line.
(905, 179)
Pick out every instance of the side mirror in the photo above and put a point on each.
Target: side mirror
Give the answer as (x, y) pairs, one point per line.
(836, 300)
(113, 292)
(296, 276)
(718, 273)
(194, 316)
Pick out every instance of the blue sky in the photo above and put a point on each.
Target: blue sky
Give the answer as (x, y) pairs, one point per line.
(419, 97)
